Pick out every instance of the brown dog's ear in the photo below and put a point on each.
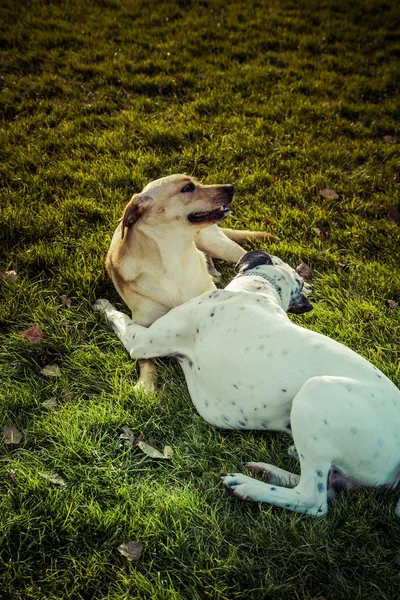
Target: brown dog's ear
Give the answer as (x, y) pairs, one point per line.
(133, 211)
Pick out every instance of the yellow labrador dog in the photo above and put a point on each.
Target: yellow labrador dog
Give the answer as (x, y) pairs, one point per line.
(157, 254)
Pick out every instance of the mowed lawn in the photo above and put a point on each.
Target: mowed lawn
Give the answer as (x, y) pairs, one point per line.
(283, 99)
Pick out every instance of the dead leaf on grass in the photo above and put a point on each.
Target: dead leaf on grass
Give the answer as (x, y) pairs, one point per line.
(329, 193)
(34, 334)
(131, 550)
(8, 276)
(51, 371)
(128, 437)
(54, 478)
(321, 233)
(266, 219)
(304, 271)
(389, 139)
(65, 301)
(392, 304)
(80, 336)
(50, 403)
(11, 435)
(168, 452)
(394, 214)
(153, 452)
(12, 475)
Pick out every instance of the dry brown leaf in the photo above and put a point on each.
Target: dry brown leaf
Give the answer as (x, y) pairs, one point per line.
(394, 214)
(150, 451)
(128, 437)
(80, 336)
(65, 301)
(11, 435)
(266, 219)
(51, 371)
(54, 478)
(389, 139)
(50, 403)
(321, 233)
(304, 271)
(168, 452)
(329, 193)
(392, 304)
(8, 276)
(34, 334)
(12, 476)
(131, 550)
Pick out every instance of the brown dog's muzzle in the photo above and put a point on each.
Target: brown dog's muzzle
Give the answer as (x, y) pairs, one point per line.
(222, 199)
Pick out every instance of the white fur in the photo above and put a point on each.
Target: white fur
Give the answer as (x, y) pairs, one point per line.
(247, 366)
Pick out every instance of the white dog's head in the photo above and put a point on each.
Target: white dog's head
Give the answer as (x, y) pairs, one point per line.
(289, 285)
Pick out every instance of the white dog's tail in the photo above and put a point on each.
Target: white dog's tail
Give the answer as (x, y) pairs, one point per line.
(239, 236)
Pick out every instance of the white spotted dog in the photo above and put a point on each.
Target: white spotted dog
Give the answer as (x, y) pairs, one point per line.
(247, 366)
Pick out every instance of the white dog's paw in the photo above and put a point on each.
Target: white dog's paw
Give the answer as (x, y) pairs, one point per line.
(241, 486)
(102, 306)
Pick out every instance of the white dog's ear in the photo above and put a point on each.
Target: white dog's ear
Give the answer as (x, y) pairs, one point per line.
(133, 211)
(253, 259)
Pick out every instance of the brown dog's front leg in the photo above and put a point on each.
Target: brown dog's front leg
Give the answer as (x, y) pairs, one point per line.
(148, 376)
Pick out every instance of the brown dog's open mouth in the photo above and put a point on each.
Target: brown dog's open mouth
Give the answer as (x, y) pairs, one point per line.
(210, 216)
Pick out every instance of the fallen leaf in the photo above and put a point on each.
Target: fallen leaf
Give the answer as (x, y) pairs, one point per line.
(150, 451)
(12, 475)
(329, 193)
(80, 336)
(303, 270)
(266, 219)
(128, 437)
(50, 403)
(389, 139)
(394, 214)
(67, 395)
(132, 550)
(66, 302)
(168, 452)
(11, 435)
(34, 334)
(392, 304)
(51, 371)
(8, 276)
(54, 478)
(322, 233)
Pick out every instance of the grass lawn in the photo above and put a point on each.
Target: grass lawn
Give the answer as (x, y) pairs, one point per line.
(282, 98)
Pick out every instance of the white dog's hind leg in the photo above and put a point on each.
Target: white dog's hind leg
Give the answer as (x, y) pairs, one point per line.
(309, 496)
(274, 475)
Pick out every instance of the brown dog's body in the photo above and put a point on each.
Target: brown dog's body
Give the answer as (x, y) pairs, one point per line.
(156, 258)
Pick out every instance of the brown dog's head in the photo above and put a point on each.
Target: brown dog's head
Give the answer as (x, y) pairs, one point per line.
(179, 200)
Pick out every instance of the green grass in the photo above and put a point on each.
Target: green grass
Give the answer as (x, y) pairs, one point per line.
(280, 97)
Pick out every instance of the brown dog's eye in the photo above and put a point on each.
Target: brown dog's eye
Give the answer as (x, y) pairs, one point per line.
(190, 187)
